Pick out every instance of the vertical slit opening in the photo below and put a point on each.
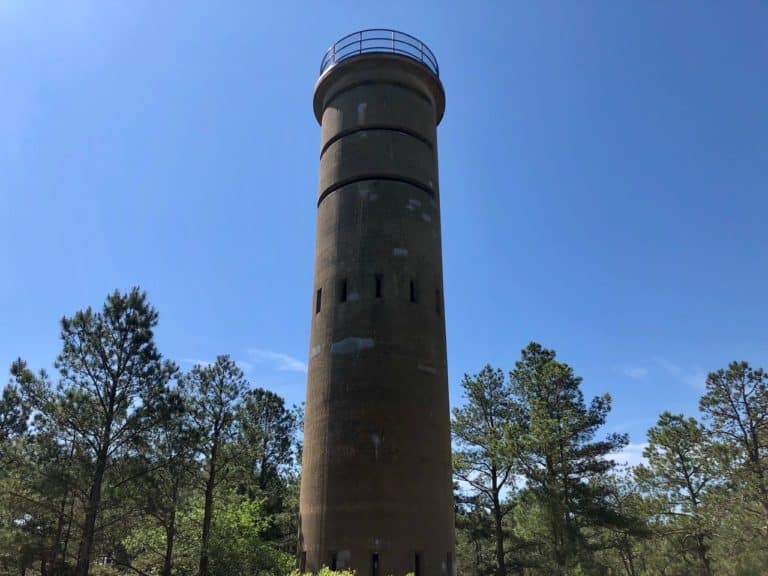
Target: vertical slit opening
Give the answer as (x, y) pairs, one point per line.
(334, 560)
(413, 290)
(318, 300)
(378, 285)
(417, 564)
(375, 564)
(343, 290)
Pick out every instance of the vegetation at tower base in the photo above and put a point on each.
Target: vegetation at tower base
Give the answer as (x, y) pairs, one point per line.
(553, 442)
(110, 376)
(481, 456)
(694, 507)
(216, 390)
(697, 506)
(538, 429)
(107, 470)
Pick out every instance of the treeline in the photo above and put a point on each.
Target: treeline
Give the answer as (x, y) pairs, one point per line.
(124, 464)
(539, 493)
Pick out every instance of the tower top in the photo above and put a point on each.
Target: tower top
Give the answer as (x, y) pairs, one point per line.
(381, 55)
(379, 41)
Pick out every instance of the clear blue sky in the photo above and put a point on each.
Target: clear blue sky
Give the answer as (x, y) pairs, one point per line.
(604, 181)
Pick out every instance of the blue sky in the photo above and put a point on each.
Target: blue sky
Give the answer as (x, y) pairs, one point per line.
(603, 167)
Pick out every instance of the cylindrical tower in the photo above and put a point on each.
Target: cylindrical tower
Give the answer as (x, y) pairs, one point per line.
(376, 488)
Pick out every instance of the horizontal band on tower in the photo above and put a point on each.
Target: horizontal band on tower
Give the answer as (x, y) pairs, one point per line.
(406, 87)
(377, 128)
(374, 177)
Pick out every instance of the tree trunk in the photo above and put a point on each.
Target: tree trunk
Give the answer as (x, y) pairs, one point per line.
(627, 560)
(263, 470)
(501, 569)
(631, 559)
(92, 512)
(702, 547)
(170, 533)
(762, 489)
(626, 565)
(65, 547)
(57, 541)
(208, 513)
(558, 539)
(53, 555)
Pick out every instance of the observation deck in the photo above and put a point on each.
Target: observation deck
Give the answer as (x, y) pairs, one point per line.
(379, 41)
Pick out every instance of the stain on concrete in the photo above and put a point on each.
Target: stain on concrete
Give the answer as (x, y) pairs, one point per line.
(351, 345)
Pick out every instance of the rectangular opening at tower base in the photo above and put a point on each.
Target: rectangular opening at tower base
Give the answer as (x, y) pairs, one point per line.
(374, 564)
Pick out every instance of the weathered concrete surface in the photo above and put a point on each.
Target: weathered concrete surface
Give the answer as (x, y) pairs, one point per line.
(376, 475)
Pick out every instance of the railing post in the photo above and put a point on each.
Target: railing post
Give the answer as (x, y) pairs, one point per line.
(361, 41)
(393, 41)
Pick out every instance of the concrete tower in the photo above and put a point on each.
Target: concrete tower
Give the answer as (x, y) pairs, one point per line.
(376, 489)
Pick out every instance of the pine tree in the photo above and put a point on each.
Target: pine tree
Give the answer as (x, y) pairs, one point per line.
(110, 375)
(680, 468)
(735, 406)
(214, 392)
(554, 443)
(482, 460)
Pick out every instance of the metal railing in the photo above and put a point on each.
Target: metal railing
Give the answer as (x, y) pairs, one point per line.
(379, 41)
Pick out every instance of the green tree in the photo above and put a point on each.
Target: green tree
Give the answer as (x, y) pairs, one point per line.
(475, 543)
(620, 546)
(13, 416)
(238, 546)
(482, 460)
(735, 406)
(172, 446)
(13, 425)
(42, 478)
(680, 468)
(214, 392)
(268, 431)
(110, 374)
(555, 446)
(738, 546)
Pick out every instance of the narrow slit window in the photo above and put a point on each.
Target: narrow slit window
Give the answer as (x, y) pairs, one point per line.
(303, 564)
(374, 564)
(318, 300)
(343, 290)
(413, 290)
(417, 564)
(438, 303)
(334, 561)
(378, 285)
